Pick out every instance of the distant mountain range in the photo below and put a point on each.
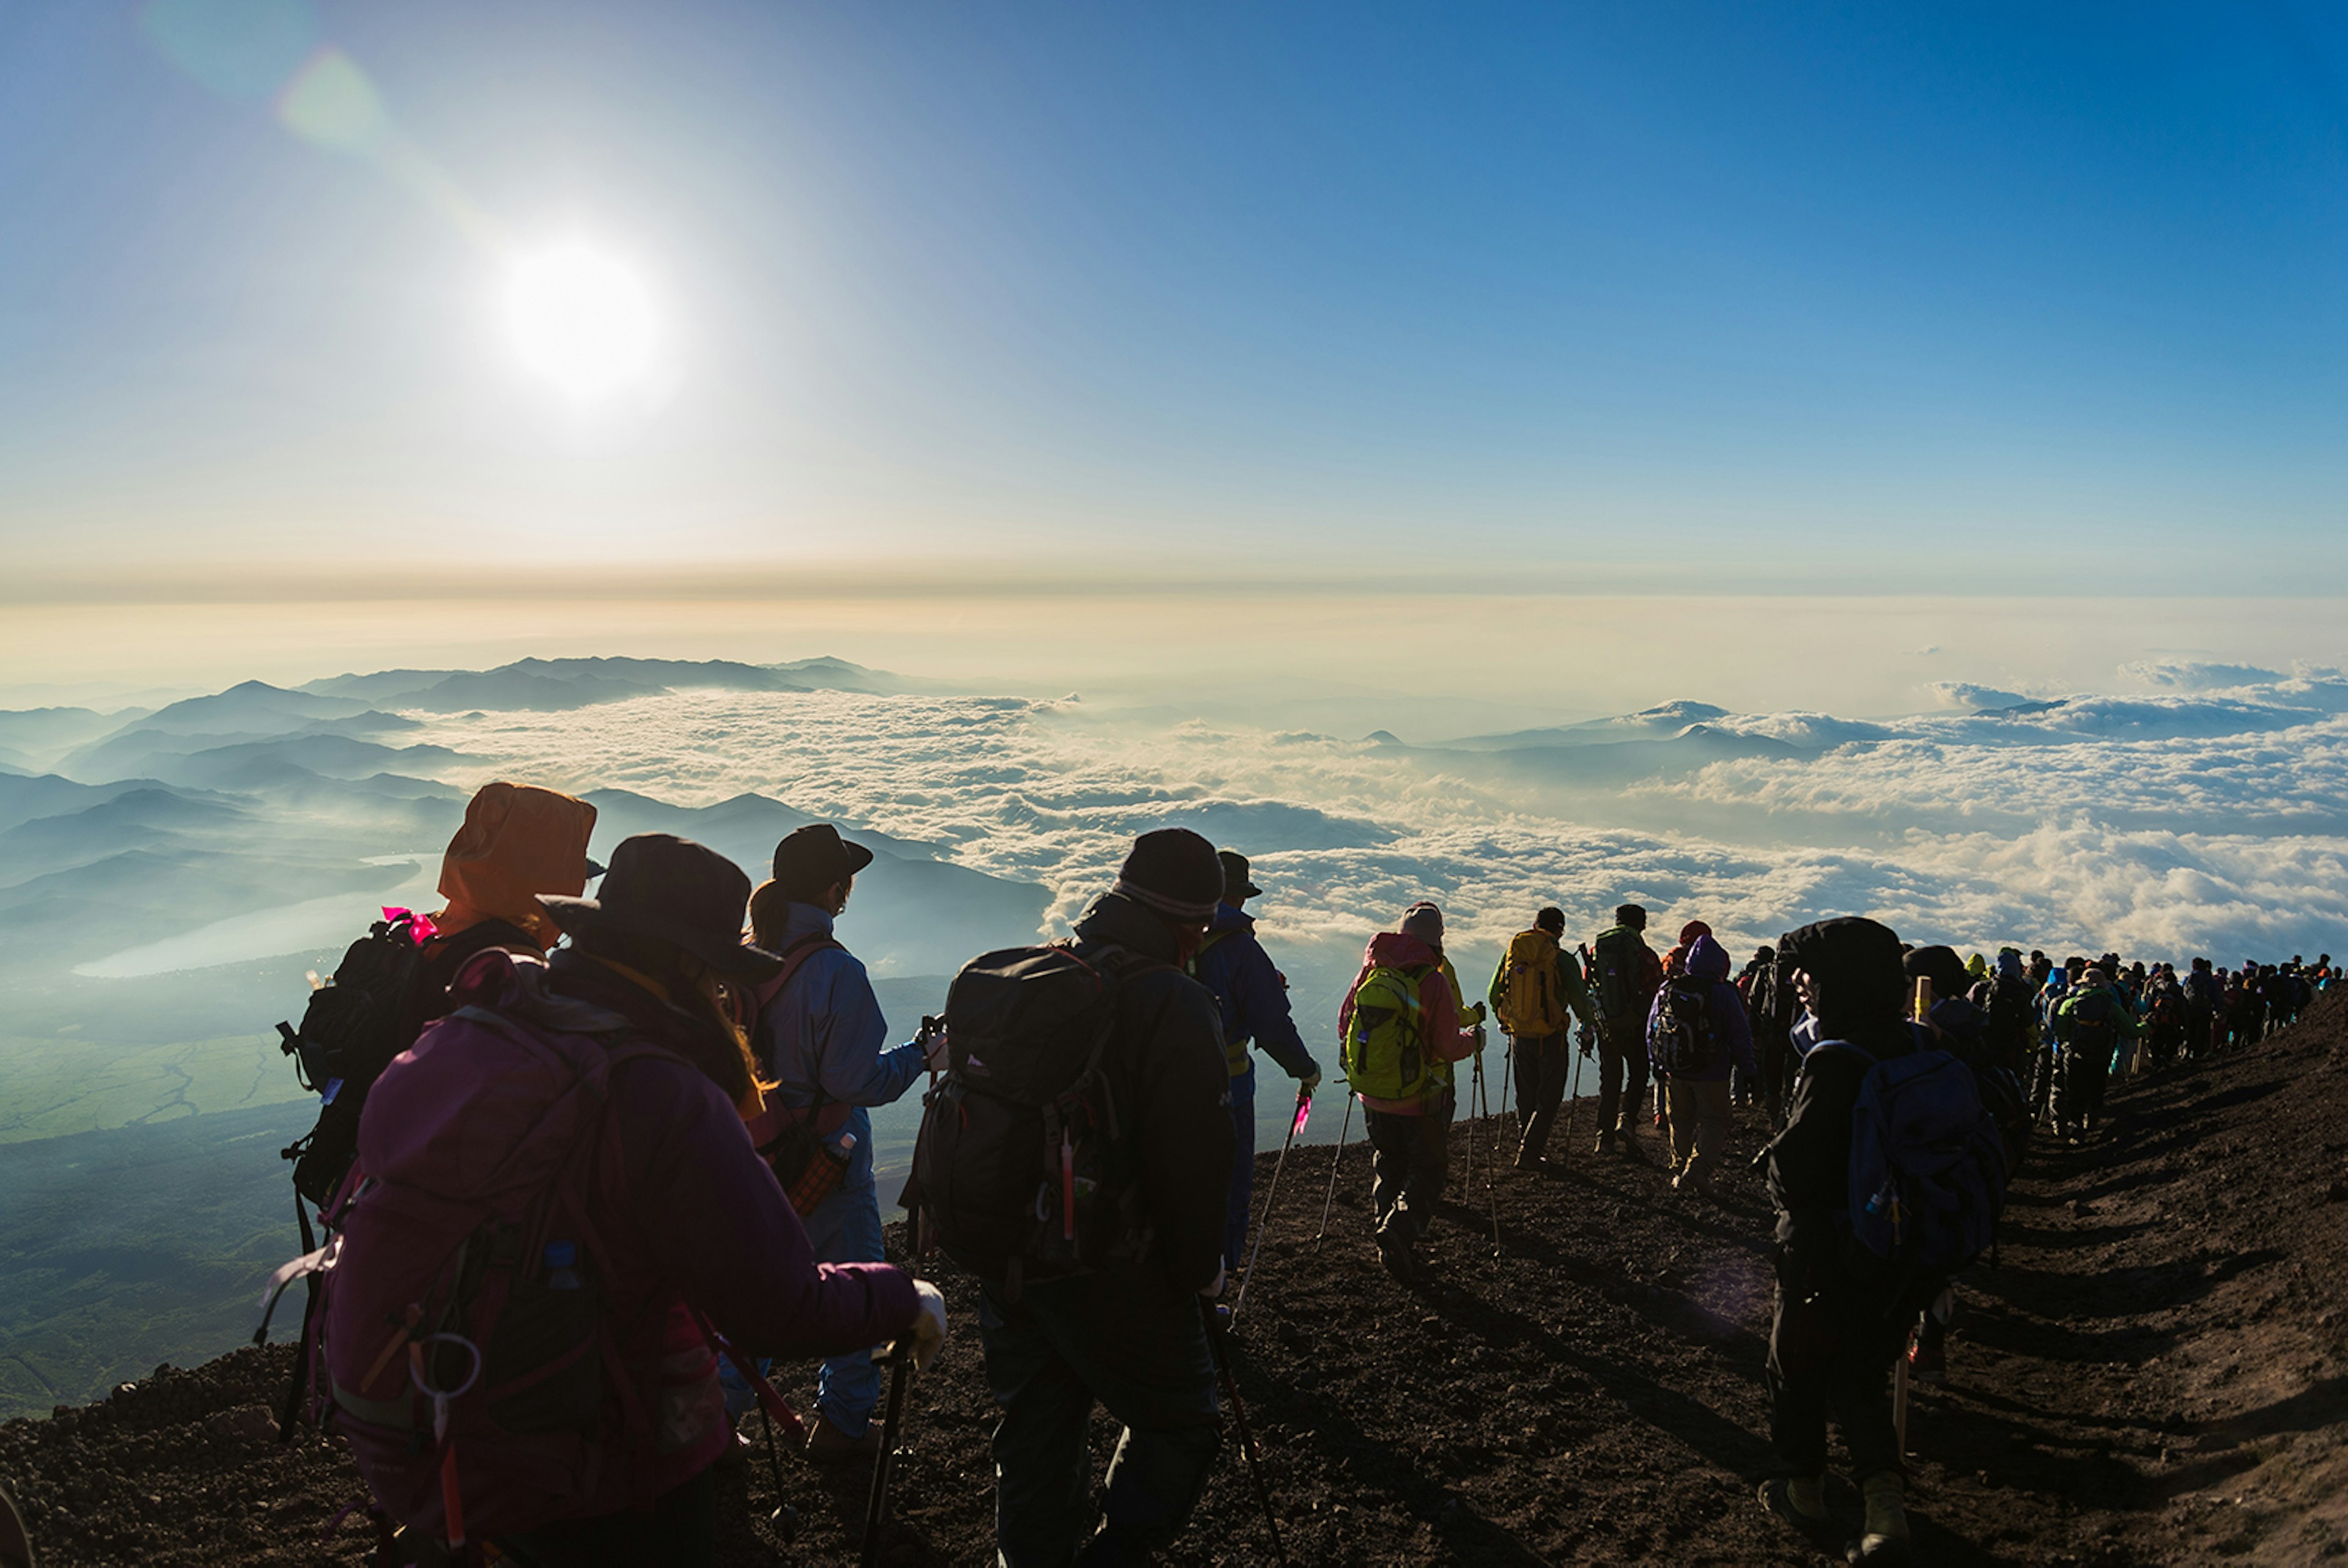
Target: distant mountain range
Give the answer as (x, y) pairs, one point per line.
(554, 684)
(119, 831)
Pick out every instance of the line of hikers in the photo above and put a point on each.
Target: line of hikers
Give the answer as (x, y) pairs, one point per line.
(588, 1166)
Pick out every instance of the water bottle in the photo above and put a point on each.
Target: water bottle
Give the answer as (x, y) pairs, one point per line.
(562, 1273)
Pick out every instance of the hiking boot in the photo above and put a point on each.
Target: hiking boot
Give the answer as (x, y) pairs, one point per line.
(1799, 1501)
(1929, 1364)
(1605, 1144)
(828, 1445)
(1395, 1252)
(1886, 1540)
(1627, 1145)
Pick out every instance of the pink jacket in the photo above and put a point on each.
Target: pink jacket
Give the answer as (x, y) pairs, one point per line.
(1443, 1034)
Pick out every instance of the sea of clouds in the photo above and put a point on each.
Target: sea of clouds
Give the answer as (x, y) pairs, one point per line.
(2208, 814)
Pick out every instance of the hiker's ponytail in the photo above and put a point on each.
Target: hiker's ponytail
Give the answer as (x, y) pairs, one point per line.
(770, 911)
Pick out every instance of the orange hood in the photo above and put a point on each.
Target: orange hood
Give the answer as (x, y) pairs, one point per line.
(518, 841)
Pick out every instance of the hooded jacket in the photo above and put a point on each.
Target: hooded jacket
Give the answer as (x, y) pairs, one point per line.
(1731, 1031)
(1251, 996)
(1855, 965)
(691, 1220)
(1166, 1066)
(1438, 999)
(518, 841)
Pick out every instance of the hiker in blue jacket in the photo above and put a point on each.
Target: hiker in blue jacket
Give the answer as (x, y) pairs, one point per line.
(823, 1043)
(1253, 997)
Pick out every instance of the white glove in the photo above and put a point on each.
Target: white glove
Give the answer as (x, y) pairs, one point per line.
(927, 1335)
(1215, 1289)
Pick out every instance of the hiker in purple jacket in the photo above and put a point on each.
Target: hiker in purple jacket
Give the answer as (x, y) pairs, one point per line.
(679, 1229)
(1698, 1096)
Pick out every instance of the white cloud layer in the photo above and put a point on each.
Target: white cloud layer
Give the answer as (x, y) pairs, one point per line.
(2163, 824)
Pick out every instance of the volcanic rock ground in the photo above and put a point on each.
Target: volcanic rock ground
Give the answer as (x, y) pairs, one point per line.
(2152, 1374)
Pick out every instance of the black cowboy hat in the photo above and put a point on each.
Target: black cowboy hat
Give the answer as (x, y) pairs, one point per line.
(672, 890)
(815, 857)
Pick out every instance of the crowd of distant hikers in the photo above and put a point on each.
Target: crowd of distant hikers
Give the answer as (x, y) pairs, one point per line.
(586, 1168)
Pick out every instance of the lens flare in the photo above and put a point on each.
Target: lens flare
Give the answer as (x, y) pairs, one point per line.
(580, 320)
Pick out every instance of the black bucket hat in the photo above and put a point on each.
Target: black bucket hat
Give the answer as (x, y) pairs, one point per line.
(1237, 884)
(672, 890)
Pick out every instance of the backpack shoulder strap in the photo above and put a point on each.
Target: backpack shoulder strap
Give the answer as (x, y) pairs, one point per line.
(795, 955)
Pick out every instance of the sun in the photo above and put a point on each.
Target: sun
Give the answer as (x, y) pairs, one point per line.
(580, 320)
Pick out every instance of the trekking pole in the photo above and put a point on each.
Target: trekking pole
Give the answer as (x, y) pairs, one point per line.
(1491, 1166)
(884, 1463)
(1217, 1343)
(1573, 1095)
(1476, 1077)
(1345, 1126)
(1304, 1108)
(1900, 1400)
(785, 1519)
(1507, 1083)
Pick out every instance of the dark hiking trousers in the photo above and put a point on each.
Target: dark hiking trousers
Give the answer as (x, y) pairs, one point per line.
(2042, 1082)
(1542, 1063)
(1830, 1357)
(1622, 1078)
(681, 1527)
(1410, 1160)
(2079, 1098)
(1118, 1340)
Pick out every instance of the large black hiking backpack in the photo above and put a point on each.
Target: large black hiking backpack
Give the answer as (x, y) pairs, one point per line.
(1021, 1162)
(356, 1023)
(2095, 1026)
(1681, 1038)
(1615, 959)
(2009, 1020)
(371, 1010)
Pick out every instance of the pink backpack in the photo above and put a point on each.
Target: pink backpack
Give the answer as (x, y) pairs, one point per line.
(461, 1338)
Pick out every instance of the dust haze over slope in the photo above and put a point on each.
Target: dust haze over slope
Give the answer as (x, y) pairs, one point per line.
(169, 875)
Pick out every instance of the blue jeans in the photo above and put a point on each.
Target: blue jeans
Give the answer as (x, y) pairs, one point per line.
(1121, 1340)
(1235, 1222)
(844, 1229)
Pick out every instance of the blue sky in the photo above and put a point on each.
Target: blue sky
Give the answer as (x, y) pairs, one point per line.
(1814, 290)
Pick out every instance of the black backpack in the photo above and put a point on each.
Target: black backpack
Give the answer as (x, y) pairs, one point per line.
(2095, 1027)
(1022, 1163)
(1615, 959)
(356, 1023)
(2009, 1017)
(1681, 1039)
